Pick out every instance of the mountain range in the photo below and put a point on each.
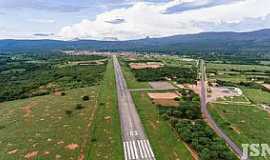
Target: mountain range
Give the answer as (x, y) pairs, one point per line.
(256, 42)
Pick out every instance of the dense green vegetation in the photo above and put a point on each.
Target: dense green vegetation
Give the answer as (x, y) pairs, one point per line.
(180, 74)
(28, 76)
(188, 122)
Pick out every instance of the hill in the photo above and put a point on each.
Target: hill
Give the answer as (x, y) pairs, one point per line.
(244, 43)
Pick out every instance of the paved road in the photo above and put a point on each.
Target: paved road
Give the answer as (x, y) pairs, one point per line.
(135, 142)
(209, 118)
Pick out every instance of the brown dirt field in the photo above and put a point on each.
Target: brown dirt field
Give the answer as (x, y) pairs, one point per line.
(145, 65)
(267, 86)
(166, 103)
(161, 85)
(166, 99)
(165, 95)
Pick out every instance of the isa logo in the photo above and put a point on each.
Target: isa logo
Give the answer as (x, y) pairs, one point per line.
(255, 150)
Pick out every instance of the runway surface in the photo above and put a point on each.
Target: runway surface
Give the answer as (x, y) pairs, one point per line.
(135, 143)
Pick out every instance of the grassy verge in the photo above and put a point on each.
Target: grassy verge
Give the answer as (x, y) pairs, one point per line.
(132, 83)
(244, 124)
(106, 129)
(257, 95)
(162, 137)
(47, 127)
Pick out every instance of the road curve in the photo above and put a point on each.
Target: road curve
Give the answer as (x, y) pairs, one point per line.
(207, 116)
(135, 143)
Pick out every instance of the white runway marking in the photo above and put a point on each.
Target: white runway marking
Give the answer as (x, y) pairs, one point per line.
(138, 149)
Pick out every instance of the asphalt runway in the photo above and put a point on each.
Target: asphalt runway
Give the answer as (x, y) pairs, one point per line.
(135, 143)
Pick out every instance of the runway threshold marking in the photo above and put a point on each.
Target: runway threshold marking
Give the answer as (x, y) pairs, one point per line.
(138, 149)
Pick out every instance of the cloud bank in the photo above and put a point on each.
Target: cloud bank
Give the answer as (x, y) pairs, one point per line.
(168, 18)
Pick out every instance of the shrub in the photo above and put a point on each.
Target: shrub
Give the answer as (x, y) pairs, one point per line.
(85, 98)
(79, 106)
(68, 112)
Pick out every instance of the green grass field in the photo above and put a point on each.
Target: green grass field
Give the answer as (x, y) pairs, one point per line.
(47, 127)
(257, 96)
(132, 83)
(106, 131)
(244, 124)
(227, 67)
(163, 139)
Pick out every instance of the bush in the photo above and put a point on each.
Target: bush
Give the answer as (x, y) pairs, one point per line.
(79, 107)
(68, 112)
(85, 98)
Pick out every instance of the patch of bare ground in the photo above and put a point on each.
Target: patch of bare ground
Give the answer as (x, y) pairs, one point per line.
(214, 93)
(72, 146)
(161, 85)
(267, 86)
(151, 65)
(164, 95)
(236, 129)
(31, 155)
(165, 99)
(13, 151)
(27, 110)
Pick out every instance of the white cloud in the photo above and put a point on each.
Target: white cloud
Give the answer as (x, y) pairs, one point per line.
(148, 19)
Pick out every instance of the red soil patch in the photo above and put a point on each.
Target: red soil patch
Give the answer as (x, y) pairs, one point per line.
(165, 95)
(31, 155)
(152, 65)
(165, 99)
(72, 146)
(27, 110)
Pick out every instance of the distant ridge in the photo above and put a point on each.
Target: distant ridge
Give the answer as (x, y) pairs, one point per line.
(223, 42)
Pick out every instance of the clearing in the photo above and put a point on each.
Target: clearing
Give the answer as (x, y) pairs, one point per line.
(161, 85)
(153, 65)
(166, 99)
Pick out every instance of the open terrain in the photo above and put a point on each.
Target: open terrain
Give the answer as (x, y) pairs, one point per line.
(48, 127)
(106, 131)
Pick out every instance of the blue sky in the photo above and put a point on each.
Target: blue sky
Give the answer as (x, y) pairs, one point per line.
(127, 19)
